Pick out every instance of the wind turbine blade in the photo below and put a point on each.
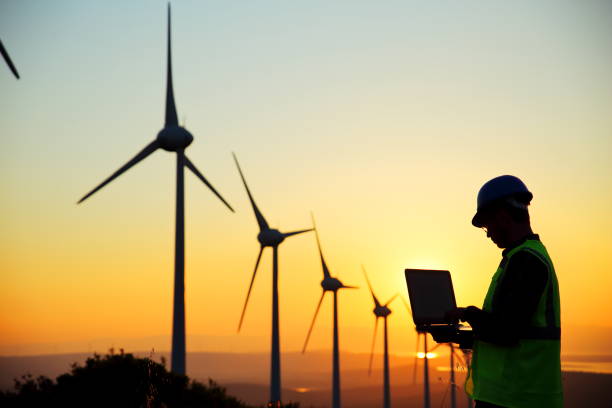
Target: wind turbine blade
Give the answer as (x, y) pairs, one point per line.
(407, 305)
(349, 287)
(373, 343)
(8, 60)
(195, 171)
(376, 302)
(288, 234)
(459, 357)
(314, 225)
(313, 321)
(326, 273)
(261, 221)
(435, 347)
(250, 287)
(392, 299)
(171, 116)
(150, 148)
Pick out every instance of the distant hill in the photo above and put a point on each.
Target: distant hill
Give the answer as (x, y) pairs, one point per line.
(581, 390)
(307, 377)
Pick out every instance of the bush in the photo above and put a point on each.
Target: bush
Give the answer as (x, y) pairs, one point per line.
(117, 380)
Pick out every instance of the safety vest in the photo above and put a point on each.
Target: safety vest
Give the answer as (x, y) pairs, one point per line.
(528, 374)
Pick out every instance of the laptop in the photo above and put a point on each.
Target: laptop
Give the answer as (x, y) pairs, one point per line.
(431, 296)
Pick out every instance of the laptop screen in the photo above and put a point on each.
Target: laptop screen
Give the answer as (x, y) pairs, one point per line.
(431, 295)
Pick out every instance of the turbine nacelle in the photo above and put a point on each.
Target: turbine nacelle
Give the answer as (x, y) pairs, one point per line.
(174, 138)
(270, 237)
(331, 284)
(382, 311)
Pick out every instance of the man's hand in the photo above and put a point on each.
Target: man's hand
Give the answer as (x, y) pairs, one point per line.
(465, 314)
(443, 334)
(455, 315)
(450, 334)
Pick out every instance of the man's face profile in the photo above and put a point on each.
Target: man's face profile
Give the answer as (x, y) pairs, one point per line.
(496, 223)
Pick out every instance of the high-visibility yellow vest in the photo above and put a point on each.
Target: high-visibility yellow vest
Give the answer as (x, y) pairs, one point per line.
(527, 375)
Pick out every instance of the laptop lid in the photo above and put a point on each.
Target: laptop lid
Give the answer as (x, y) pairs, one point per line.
(431, 295)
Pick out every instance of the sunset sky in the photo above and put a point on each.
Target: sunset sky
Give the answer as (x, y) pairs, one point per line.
(382, 118)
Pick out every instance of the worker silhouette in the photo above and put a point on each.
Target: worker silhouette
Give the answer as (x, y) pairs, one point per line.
(516, 334)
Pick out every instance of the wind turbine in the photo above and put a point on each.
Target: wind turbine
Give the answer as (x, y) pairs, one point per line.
(467, 361)
(381, 311)
(329, 284)
(8, 60)
(268, 237)
(425, 356)
(172, 138)
(453, 385)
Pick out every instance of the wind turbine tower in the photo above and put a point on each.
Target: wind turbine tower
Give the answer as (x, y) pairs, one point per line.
(329, 284)
(381, 311)
(426, 392)
(268, 237)
(452, 384)
(425, 357)
(172, 138)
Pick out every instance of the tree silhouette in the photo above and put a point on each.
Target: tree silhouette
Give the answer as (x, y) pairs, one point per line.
(117, 380)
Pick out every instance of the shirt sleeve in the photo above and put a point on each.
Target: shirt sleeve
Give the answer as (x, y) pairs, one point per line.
(515, 301)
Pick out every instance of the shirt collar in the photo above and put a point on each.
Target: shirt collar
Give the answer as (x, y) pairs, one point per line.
(519, 242)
